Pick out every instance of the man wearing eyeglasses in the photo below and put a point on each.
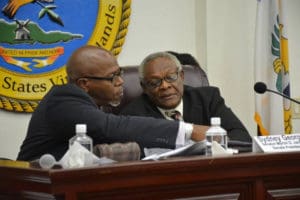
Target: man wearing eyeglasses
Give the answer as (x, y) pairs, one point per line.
(166, 96)
(95, 80)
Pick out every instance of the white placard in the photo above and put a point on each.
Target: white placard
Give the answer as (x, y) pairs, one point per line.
(276, 143)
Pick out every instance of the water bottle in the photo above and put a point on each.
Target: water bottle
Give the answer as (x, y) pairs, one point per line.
(215, 133)
(82, 138)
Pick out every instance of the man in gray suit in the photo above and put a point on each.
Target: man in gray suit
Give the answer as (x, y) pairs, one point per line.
(95, 79)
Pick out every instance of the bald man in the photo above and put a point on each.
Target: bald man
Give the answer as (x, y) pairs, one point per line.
(95, 79)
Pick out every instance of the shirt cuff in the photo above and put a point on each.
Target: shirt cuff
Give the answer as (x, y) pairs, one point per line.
(184, 134)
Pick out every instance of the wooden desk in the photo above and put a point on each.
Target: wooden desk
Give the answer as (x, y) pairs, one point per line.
(244, 176)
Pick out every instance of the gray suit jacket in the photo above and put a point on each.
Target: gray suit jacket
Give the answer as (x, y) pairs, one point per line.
(53, 124)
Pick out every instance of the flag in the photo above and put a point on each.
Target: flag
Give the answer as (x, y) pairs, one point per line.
(272, 112)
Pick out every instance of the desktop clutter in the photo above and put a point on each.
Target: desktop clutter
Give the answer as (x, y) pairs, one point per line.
(82, 153)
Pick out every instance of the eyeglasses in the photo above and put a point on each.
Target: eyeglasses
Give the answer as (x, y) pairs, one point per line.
(112, 79)
(156, 82)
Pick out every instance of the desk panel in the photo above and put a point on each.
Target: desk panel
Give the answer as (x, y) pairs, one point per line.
(243, 176)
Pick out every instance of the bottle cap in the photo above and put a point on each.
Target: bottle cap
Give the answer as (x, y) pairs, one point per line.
(215, 121)
(80, 128)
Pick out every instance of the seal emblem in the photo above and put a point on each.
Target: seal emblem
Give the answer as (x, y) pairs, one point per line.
(38, 36)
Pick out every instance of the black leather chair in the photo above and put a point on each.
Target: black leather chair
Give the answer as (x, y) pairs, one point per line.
(193, 76)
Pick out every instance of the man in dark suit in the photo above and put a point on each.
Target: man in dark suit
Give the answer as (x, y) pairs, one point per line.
(95, 80)
(162, 78)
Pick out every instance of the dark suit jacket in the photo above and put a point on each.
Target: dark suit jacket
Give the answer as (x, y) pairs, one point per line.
(53, 124)
(199, 105)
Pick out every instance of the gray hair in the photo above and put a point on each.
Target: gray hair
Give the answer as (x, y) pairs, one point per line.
(153, 56)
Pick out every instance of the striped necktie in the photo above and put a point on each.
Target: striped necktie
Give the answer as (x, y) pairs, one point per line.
(174, 115)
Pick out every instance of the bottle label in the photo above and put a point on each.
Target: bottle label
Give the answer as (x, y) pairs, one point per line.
(221, 139)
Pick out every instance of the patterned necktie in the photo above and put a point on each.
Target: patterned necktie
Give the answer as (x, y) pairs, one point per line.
(174, 115)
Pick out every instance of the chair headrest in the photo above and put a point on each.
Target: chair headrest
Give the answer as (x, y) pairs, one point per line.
(193, 76)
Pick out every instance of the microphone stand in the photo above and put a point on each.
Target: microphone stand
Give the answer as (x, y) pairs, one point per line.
(298, 102)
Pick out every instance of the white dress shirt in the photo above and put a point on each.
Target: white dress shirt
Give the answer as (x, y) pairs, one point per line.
(185, 129)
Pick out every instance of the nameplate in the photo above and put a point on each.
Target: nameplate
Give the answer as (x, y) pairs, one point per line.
(276, 143)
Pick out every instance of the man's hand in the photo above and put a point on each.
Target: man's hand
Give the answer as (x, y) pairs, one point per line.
(198, 133)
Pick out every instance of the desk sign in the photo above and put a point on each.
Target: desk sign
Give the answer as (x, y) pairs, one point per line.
(276, 143)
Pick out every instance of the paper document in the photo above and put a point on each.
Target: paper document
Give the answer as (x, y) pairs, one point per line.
(190, 149)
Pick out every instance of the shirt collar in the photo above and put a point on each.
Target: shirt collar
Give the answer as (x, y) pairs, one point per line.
(179, 108)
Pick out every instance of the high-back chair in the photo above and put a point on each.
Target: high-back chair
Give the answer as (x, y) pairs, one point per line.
(193, 76)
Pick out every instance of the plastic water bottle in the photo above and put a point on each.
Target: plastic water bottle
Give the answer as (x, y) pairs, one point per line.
(82, 138)
(215, 133)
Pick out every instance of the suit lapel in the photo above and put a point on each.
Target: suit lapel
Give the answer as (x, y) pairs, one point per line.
(152, 109)
(192, 112)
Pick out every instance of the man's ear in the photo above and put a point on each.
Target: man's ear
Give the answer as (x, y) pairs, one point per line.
(181, 74)
(145, 90)
(83, 83)
(142, 85)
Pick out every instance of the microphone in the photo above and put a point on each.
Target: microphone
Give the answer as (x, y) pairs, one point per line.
(261, 88)
(47, 161)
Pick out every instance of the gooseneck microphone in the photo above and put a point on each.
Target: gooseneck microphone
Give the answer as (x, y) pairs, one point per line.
(261, 88)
